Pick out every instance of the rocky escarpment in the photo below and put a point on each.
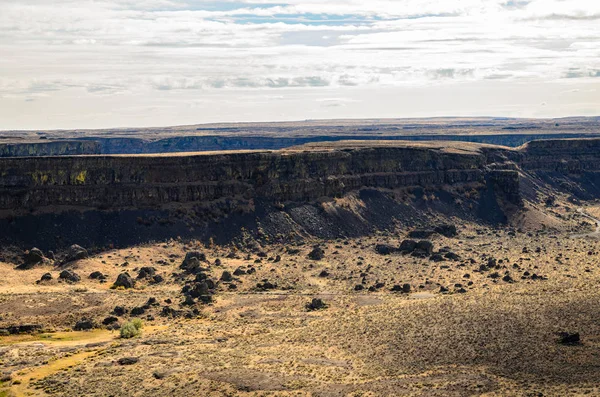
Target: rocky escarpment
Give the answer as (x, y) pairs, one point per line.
(325, 190)
(49, 148)
(52, 202)
(113, 182)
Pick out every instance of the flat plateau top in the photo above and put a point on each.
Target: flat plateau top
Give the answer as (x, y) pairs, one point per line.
(311, 128)
(444, 146)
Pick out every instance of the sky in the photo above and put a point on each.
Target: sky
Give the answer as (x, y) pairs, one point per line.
(133, 63)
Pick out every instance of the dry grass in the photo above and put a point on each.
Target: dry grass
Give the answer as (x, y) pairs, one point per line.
(496, 339)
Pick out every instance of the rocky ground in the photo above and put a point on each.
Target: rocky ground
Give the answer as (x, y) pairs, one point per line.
(456, 310)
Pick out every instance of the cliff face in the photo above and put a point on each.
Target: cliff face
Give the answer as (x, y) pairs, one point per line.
(138, 181)
(49, 148)
(55, 201)
(566, 156)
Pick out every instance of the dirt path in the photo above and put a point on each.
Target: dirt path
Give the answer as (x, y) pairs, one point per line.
(594, 234)
(88, 344)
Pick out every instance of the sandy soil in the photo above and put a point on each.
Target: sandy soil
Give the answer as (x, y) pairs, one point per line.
(486, 335)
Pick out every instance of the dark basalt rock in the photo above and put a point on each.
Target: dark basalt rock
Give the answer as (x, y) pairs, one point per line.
(567, 338)
(46, 277)
(226, 277)
(239, 272)
(421, 233)
(385, 249)
(69, 276)
(423, 249)
(124, 280)
(408, 246)
(315, 304)
(109, 320)
(84, 325)
(23, 329)
(97, 276)
(146, 272)
(75, 252)
(446, 230)
(128, 360)
(266, 285)
(316, 254)
(119, 311)
(31, 258)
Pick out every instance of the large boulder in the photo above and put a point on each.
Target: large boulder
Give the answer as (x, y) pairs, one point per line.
(385, 249)
(31, 258)
(421, 233)
(568, 338)
(124, 280)
(84, 325)
(316, 254)
(76, 252)
(408, 246)
(446, 230)
(226, 276)
(46, 277)
(146, 272)
(188, 260)
(69, 276)
(424, 248)
(315, 304)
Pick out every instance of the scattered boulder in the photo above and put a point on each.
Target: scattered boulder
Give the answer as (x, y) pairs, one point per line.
(424, 248)
(128, 360)
(24, 329)
(76, 252)
(507, 278)
(239, 272)
(46, 277)
(119, 311)
(315, 304)
(156, 279)
(109, 320)
(138, 311)
(197, 290)
(124, 280)
(316, 254)
(31, 258)
(324, 273)
(69, 276)
(266, 285)
(385, 249)
(83, 325)
(437, 257)
(446, 230)
(188, 261)
(146, 272)
(97, 276)
(421, 233)
(567, 338)
(452, 256)
(408, 246)
(226, 277)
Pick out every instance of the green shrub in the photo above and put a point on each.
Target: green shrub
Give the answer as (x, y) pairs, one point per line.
(137, 323)
(131, 329)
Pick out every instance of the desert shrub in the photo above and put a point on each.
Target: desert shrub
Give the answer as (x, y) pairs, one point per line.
(131, 329)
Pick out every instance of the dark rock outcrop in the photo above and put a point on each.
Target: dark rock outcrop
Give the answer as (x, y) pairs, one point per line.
(69, 276)
(124, 280)
(75, 252)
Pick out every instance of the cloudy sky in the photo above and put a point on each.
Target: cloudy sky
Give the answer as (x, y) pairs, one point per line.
(113, 63)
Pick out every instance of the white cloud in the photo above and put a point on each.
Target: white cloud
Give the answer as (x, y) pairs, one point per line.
(111, 49)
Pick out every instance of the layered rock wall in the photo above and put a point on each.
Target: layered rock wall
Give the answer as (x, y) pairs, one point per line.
(137, 181)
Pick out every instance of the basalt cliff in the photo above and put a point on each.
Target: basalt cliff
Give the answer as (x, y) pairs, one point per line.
(327, 190)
